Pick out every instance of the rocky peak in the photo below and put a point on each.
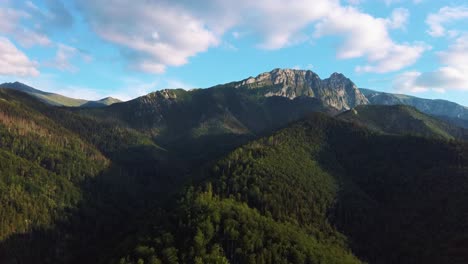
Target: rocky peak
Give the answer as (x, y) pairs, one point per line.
(337, 91)
(286, 77)
(336, 76)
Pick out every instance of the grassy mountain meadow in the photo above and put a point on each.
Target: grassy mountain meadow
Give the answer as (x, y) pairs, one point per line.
(279, 168)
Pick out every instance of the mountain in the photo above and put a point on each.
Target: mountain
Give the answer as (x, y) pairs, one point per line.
(42, 166)
(230, 174)
(65, 179)
(57, 99)
(249, 107)
(336, 91)
(401, 120)
(208, 120)
(447, 110)
(101, 103)
(357, 194)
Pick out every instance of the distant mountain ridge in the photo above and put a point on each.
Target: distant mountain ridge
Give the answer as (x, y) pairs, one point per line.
(450, 111)
(57, 99)
(402, 120)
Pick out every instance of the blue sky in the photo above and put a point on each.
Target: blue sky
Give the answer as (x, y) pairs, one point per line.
(96, 48)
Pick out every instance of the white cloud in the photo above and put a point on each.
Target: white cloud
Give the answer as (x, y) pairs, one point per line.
(14, 62)
(398, 19)
(28, 38)
(453, 74)
(185, 29)
(281, 25)
(133, 25)
(405, 82)
(31, 25)
(355, 2)
(10, 23)
(55, 16)
(391, 2)
(445, 15)
(367, 36)
(155, 34)
(10, 18)
(63, 57)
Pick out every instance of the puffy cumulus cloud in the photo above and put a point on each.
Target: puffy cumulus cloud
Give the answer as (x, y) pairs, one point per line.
(14, 62)
(167, 33)
(155, 34)
(367, 36)
(453, 74)
(281, 25)
(437, 21)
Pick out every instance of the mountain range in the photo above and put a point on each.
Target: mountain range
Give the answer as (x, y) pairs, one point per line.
(441, 108)
(283, 167)
(57, 99)
(337, 92)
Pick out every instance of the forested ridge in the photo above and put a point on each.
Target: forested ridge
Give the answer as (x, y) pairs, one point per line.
(103, 186)
(347, 188)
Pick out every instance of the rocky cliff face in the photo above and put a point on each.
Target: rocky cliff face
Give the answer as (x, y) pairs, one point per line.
(336, 91)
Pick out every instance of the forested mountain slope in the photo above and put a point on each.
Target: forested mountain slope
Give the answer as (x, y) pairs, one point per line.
(450, 111)
(342, 185)
(64, 177)
(207, 122)
(172, 178)
(41, 166)
(403, 120)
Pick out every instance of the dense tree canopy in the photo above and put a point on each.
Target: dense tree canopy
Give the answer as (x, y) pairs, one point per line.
(103, 186)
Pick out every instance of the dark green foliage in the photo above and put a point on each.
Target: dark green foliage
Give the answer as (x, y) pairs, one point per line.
(178, 115)
(402, 120)
(211, 229)
(327, 179)
(31, 196)
(317, 191)
(41, 165)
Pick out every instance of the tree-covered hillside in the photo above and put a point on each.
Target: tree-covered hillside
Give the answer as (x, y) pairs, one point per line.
(59, 169)
(172, 178)
(41, 167)
(341, 185)
(402, 120)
